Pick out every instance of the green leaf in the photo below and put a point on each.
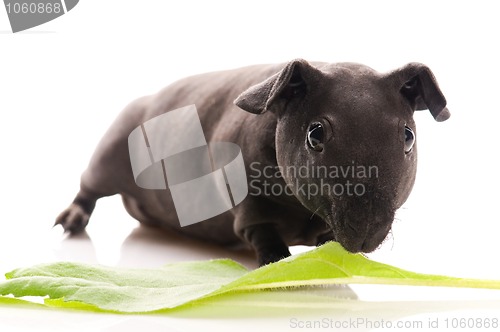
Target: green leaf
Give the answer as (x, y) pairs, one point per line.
(122, 290)
(332, 264)
(145, 290)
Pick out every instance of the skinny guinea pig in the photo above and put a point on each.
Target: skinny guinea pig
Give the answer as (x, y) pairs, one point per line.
(341, 117)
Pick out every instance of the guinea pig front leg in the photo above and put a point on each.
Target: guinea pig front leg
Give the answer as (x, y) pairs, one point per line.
(324, 238)
(267, 243)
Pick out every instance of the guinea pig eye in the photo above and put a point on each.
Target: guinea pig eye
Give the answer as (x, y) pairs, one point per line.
(409, 139)
(315, 137)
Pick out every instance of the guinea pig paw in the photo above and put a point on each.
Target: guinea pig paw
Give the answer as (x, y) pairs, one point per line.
(74, 219)
(272, 255)
(324, 238)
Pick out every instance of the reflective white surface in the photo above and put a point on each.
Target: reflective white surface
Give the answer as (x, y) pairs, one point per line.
(61, 85)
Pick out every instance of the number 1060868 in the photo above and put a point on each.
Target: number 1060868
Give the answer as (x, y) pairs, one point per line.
(34, 8)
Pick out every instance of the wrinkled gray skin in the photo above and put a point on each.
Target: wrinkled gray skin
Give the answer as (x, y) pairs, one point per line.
(268, 110)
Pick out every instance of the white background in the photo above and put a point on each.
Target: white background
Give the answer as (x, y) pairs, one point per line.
(62, 83)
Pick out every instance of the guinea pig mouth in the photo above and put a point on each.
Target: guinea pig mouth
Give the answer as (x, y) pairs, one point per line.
(355, 241)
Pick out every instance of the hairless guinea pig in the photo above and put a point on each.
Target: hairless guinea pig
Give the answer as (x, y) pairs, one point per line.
(350, 127)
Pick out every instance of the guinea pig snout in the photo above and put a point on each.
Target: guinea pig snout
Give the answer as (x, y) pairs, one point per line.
(362, 236)
(362, 227)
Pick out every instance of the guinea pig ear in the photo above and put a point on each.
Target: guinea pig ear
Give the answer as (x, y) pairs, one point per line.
(290, 82)
(418, 84)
